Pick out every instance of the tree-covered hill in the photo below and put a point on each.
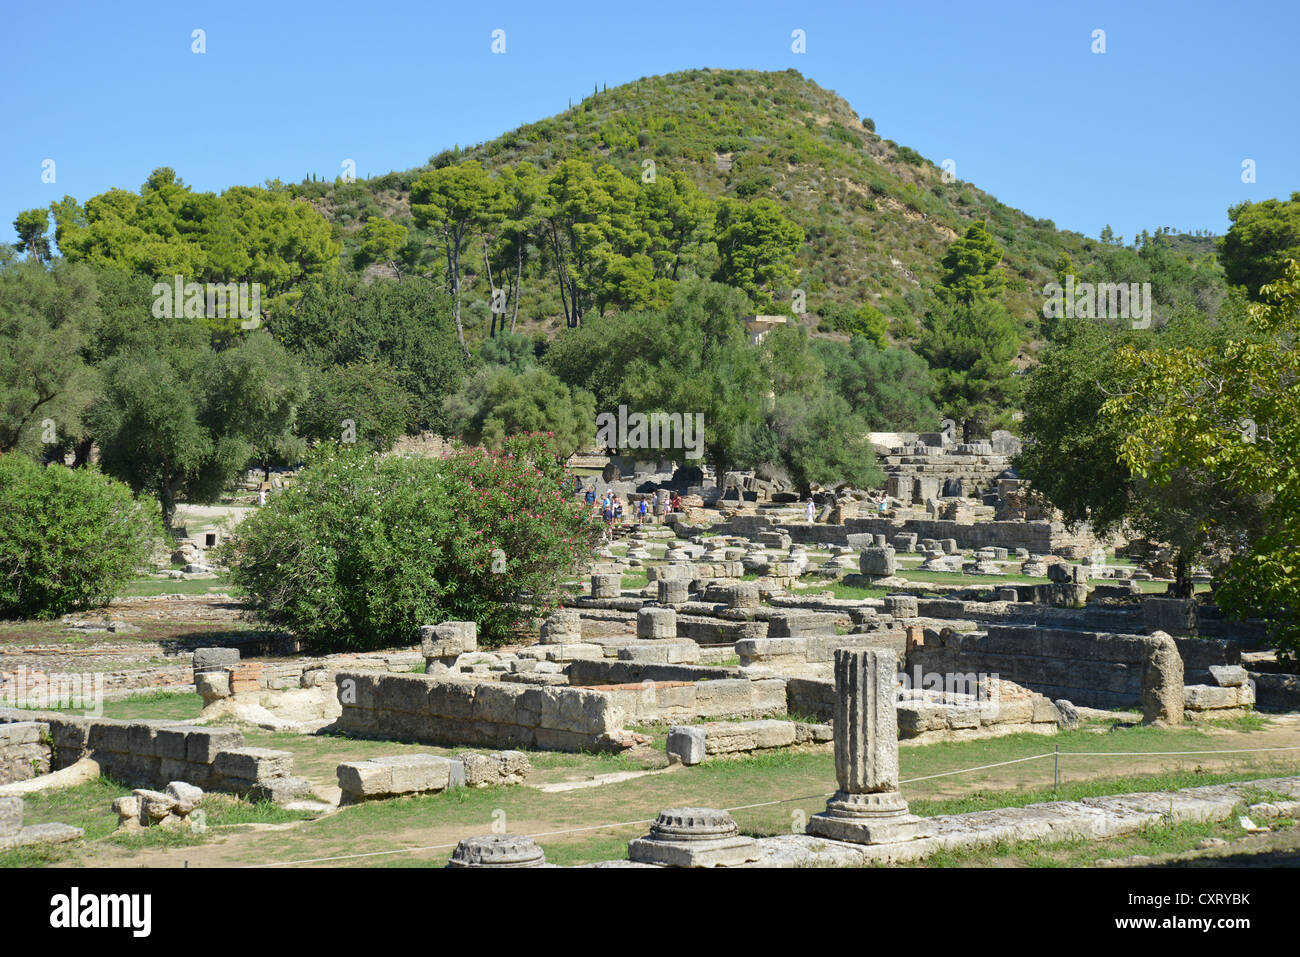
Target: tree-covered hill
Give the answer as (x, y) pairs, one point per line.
(876, 215)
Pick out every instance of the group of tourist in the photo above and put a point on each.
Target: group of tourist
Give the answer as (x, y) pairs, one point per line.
(612, 510)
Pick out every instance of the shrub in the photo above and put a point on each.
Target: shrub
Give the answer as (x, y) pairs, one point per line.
(364, 549)
(69, 538)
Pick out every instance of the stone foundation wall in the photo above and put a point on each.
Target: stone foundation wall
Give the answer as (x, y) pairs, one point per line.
(815, 652)
(666, 702)
(450, 711)
(25, 750)
(1040, 538)
(1095, 670)
(149, 754)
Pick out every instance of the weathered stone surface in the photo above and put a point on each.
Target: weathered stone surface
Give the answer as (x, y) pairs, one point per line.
(673, 591)
(901, 606)
(877, 562)
(606, 585)
(448, 640)
(497, 850)
(685, 744)
(562, 625)
(11, 815)
(1229, 676)
(1162, 681)
(693, 837)
(867, 808)
(212, 685)
(655, 622)
(253, 764)
(207, 659)
(1174, 616)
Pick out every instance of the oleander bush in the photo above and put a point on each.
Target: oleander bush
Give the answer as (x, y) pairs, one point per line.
(69, 538)
(364, 549)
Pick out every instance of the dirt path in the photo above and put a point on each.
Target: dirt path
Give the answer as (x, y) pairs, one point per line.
(436, 823)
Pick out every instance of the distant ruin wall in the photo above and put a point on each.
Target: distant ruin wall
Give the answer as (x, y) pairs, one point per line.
(449, 711)
(1039, 538)
(1094, 670)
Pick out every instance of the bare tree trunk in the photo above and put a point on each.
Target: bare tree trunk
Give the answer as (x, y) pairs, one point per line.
(492, 295)
(519, 279)
(453, 269)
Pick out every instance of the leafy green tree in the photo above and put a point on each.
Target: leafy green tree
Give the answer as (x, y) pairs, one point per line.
(866, 321)
(32, 226)
(970, 348)
(69, 538)
(517, 353)
(364, 549)
(678, 217)
(254, 392)
(889, 389)
(368, 396)
(525, 193)
(496, 403)
(247, 234)
(452, 201)
(970, 272)
(381, 242)
(597, 239)
(1262, 238)
(47, 318)
(1230, 408)
(692, 356)
(757, 245)
(406, 324)
(150, 427)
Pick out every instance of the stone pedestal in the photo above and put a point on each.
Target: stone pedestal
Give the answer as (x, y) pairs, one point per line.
(497, 850)
(693, 837)
(606, 585)
(867, 808)
(442, 644)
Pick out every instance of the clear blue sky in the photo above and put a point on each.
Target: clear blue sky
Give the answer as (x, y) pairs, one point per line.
(1152, 132)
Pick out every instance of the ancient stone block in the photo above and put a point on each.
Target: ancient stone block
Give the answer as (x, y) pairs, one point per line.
(606, 586)
(656, 623)
(901, 606)
(253, 764)
(877, 562)
(215, 659)
(693, 837)
(1229, 676)
(673, 591)
(1162, 681)
(685, 744)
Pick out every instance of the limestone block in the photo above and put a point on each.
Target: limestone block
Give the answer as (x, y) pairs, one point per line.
(364, 779)
(606, 585)
(218, 659)
(254, 764)
(686, 744)
(877, 561)
(448, 639)
(656, 623)
(414, 773)
(1229, 676)
(203, 744)
(1162, 681)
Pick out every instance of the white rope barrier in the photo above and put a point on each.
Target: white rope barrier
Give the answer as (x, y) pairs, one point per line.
(809, 797)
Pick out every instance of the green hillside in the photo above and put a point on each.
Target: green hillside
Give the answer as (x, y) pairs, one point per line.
(876, 214)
